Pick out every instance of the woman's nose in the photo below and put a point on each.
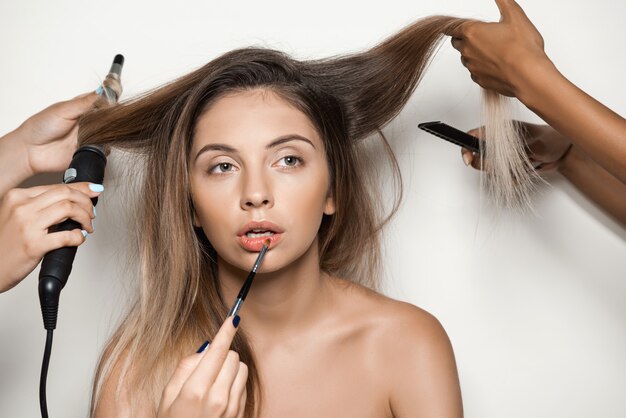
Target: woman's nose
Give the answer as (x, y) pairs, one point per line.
(256, 192)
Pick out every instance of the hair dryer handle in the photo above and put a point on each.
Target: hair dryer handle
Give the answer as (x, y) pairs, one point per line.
(87, 164)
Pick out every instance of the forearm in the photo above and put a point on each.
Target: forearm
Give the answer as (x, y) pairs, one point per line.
(595, 182)
(595, 129)
(14, 167)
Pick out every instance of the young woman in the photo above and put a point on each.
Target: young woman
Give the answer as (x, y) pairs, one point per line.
(253, 145)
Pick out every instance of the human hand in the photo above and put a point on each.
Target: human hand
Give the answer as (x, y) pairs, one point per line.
(499, 55)
(210, 384)
(26, 215)
(49, 138)
(546, 147)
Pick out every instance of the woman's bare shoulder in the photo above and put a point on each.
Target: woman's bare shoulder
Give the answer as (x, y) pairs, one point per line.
(382, 313)
(414, 357)
(413, 354)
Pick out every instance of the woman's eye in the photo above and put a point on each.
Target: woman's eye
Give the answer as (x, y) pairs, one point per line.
(221, 168)
(290, 161)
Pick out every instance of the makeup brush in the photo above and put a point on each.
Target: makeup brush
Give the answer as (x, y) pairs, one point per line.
(246, 285)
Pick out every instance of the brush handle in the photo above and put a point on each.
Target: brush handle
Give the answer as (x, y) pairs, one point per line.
(235, 309)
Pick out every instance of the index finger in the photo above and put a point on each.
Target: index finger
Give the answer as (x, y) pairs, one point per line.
(457, 30)
(90, 189)
(215, 355)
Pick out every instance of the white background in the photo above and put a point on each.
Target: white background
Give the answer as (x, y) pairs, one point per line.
(534, 305)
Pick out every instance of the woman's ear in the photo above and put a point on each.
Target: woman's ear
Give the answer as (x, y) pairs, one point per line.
(194, 217)
(329, 207)
(195, 221)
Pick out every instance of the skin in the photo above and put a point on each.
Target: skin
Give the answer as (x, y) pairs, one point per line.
(508, 57)
(324, 346)
(45, 142)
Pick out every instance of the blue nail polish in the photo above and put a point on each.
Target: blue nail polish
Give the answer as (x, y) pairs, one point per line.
(203, 346)
(96, 187)
(84, 233)
(99, 90)
(95, 213)
(236, 321)
(92, 227)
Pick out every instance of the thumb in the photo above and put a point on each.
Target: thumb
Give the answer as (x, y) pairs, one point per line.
(477, 132)
(509, 10)
(72, 109)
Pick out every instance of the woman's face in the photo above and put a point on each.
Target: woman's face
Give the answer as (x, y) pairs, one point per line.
(258, 171)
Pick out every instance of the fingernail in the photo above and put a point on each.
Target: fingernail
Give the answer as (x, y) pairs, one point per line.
(203, 346)
(84, 233)
(467, 159)
(95, 213)
(236, 321)
(92, 227)
(96, 187)
(99, 90)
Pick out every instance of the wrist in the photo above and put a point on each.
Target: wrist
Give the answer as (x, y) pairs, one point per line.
(14, 157)
(568, 160)
(532, 80)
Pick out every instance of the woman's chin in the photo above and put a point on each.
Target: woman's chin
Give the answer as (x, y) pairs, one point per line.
(275, 259)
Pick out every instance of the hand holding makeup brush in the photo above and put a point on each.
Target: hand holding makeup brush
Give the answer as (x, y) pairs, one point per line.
(208, 384)
(212, 383)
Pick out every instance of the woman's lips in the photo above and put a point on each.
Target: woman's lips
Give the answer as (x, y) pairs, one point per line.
(256, 244)
(259, 226)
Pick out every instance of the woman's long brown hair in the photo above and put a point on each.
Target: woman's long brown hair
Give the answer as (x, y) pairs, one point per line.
(347, 98)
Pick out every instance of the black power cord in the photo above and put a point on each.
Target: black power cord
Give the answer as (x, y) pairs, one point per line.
(43, 404)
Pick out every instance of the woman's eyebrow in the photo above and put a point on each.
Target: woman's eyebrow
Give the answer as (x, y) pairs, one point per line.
(286, 138)
(214, 147)
(276, 142)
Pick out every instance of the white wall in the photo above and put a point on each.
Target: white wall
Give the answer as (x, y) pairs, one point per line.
(535, 306)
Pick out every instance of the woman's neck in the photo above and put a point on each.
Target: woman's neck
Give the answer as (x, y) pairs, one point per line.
(282, 303)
